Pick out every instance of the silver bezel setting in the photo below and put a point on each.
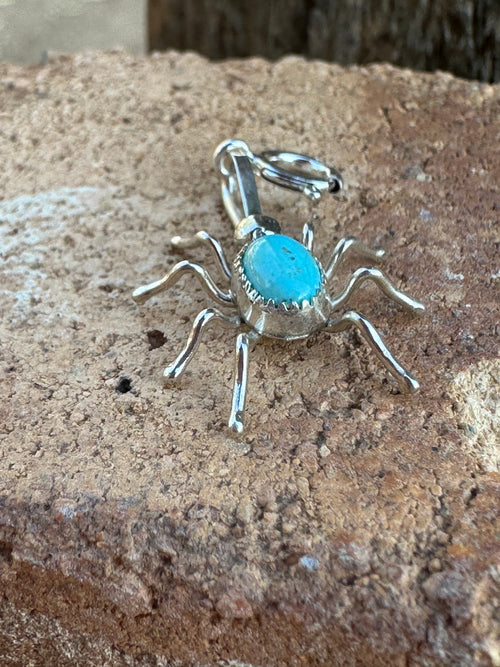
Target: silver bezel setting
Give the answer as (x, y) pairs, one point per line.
(287, 321)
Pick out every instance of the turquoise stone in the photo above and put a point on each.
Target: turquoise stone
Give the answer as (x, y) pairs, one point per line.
(281, 269)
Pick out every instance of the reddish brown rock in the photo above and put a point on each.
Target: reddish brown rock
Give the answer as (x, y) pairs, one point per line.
(350, 524)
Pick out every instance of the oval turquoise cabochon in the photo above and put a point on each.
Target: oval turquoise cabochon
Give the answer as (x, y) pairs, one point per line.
(282, 269)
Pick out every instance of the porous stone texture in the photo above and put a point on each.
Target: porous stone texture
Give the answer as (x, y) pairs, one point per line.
(349, 525)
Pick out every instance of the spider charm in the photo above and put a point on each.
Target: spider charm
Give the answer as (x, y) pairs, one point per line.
(275, 286)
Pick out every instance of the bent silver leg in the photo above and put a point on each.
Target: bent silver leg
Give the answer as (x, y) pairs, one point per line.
(236, 420)
(345, 244)
(308, 236)
(360, 276)
(143, 293)
(200, 238)
(203, 318)
(407, 383)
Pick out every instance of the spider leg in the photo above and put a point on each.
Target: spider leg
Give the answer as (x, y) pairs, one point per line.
(380, 279)
(143, 293)
(345, 244)
(308, 236)
(200, 238)
(407, 383)
(240, 380)
(203, 318)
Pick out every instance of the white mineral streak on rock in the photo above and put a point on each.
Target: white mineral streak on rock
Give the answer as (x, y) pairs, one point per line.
(453, 276)
(29, 225)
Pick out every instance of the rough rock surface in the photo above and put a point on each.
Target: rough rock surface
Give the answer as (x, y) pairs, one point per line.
(350, 525)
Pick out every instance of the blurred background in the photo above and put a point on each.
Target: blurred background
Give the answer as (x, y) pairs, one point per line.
(460, 36)
(28, 28)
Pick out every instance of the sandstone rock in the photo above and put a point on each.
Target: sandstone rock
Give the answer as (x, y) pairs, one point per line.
(350, 524)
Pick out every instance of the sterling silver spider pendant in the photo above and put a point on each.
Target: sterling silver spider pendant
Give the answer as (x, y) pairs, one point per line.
(276, 287)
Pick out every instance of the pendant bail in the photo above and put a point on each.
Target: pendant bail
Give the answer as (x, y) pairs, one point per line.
(237, 166)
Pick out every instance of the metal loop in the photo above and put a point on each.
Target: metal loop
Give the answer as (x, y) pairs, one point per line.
(235, 162)
(299, 172)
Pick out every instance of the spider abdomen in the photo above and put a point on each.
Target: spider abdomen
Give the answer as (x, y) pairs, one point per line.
(280, 287)
(282, 269)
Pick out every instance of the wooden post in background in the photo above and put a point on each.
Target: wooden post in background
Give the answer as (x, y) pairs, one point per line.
(461, 36)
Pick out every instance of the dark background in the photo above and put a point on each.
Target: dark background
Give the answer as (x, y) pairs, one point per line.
(460, 36)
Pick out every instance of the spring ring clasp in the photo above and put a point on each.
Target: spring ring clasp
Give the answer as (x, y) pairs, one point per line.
(237, 165)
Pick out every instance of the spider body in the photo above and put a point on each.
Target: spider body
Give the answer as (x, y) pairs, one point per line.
(276, 287)
(279, 287)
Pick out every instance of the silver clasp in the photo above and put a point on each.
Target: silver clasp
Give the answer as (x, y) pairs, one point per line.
(298, 172)
(294, 171)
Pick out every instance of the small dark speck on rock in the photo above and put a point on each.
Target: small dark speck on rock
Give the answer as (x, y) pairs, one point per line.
(156, 339)
(368, 199)
(176, 118)
(124, 385)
